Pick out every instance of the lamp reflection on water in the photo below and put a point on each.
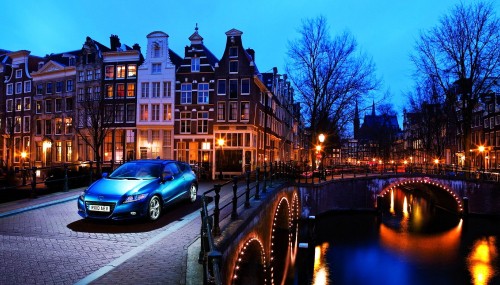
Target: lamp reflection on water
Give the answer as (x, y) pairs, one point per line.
(321, 273)
(482, 259)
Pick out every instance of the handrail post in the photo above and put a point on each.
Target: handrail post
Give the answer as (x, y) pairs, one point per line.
(65, 186)
(247, 197)
(257, 194)
(203, 233)
(216, 229)
(234, 213)
(33, 183)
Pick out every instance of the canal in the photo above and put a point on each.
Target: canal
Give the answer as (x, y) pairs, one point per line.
(413, 241)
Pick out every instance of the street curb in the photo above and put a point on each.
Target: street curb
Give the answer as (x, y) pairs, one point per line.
(38, 206)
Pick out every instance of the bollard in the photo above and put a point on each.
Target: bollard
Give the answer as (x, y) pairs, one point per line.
(247, 192)
(33, 183)
(257, 195)
(65, 187)
(234, 213)
(216, 229)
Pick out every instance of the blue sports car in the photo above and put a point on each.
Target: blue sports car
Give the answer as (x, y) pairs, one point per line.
(139, 188)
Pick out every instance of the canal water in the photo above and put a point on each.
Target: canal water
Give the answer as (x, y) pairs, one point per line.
(412, 242)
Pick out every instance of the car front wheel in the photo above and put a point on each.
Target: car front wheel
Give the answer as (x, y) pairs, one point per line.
(193, 191)
(154, 209)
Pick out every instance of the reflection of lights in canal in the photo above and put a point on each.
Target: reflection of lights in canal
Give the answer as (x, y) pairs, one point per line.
(321, 271)
(481, 260)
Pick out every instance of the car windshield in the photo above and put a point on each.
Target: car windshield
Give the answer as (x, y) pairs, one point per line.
(137, 170)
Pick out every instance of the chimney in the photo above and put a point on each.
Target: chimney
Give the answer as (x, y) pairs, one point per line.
(114, 42)
(136, 47)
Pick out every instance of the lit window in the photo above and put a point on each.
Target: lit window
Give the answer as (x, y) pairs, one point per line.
(130, 89)
(167, 112)
(120, 71)
(120, 90)
(144, 112)
(110, 72)
(221, 111)
(132, 71)
(245, 111)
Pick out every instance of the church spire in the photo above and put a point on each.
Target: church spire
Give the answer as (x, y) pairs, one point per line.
(373, 108)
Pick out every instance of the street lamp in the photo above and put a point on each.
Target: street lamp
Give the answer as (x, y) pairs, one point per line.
(436, 161)
(220, 142)
(321, 138)
(23, 171)
(481, 150)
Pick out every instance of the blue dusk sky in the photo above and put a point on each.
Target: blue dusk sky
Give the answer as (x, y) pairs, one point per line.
(384, 29)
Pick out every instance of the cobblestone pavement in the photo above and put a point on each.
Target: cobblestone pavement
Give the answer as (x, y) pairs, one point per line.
(45, 241)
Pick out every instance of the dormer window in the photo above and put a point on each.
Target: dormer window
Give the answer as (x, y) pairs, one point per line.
(195, 64)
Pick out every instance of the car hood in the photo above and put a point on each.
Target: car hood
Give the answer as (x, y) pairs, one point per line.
(118, 187)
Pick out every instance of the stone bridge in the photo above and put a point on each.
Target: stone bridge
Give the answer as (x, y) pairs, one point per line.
(259, 246)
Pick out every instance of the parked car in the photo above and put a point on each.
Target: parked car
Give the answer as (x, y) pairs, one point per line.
(140, 188)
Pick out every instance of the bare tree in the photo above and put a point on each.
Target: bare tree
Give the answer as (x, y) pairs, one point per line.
(329, 74)
(460, 55)
(95, 122)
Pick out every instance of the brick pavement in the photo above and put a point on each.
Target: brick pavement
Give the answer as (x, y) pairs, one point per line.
(54, 247)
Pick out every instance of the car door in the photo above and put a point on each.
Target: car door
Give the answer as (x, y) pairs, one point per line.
(172, 188)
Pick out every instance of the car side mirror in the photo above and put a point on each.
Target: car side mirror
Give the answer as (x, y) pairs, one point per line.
(167, 176)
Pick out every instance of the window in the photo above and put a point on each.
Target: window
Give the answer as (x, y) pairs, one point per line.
(90, 75)
(97, 74)
(167, 92)
(144, 89)
(233, 51)
(109, 72)
(221, 87)
(186, 96)
(38, 107)
(233, 111)
(18, 104)
(48, 88)
(130, 89)
(59, 126)
(27, 86)
(19, 73)
(69, 151)
(97, 93)
(58, 105)
(203, 93)
(109, 91)
(156, 50)
(17, 127)
(156, 90)
(48, 127)
(19, 88)
(69, 85)
(88, 95)
(155, 112)
(131, 113)
(245, 86)
(120, 71)
(144, 112)
(233, 88)
(185, 122)
(59, 86)
(167, 112)
(195, 64)
(221, 111)
(233, 66)
(10, 89)
(120, 90)
(81, 76)
(119, 113)
(156, 68)
(48, 106)
(26, 124)
(38, 127)
(10, 105)
(27, 103)
(68, 125)
(203, 122)
(58, 151)
(245, 111)
(132, 71)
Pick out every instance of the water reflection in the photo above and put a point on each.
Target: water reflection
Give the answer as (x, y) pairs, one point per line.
(321, 271)
(482, 259)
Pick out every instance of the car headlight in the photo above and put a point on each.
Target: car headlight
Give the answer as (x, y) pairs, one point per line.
(134, 198)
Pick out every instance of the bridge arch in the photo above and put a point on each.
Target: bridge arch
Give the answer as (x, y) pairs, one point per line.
(250, 267)
(438, 191)
(280, 240)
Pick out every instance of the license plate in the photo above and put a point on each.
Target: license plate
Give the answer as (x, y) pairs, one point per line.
(99, 208)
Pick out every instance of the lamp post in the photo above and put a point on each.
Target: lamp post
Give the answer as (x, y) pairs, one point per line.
(436, 161)
(321, 138)
(220, 142)
(23, 171)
